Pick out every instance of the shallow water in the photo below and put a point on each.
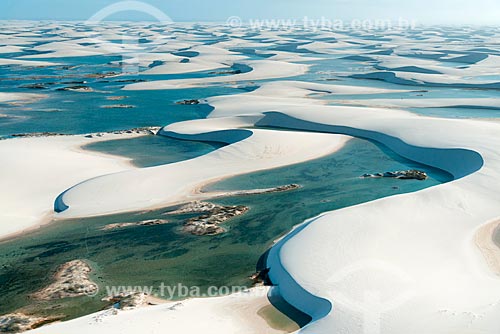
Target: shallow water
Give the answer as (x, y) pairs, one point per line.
(277, 320)
(71, 112)
(496, 236)
(148, 151)
(148, 256)
(339, 71)
(76, 112)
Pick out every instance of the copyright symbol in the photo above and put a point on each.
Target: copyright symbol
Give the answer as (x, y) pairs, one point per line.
(91, 290)
(234, 22)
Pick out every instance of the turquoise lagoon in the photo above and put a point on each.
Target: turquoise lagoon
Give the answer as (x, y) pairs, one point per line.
(71, 112)
(149, 151)
(150, 256)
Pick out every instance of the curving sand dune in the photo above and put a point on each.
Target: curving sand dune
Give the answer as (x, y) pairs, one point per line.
(419, 263)
(231, 314)
(406, 263)
(36, 170)
(20, 97)
(175, 183)
(20, 62)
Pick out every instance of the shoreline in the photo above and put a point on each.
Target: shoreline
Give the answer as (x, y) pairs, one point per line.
(45, 221)
(405, 262)
(72, 149)
(341, 215)
(235, 313)
(195, 193)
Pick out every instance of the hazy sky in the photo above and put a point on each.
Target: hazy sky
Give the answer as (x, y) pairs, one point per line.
(424, 11)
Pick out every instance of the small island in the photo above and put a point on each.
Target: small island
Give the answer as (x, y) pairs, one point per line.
(116, 98)
(214, 214)
(132, 300)
(278, 189)
(79, 88)
(208, 223)
(72, 279)
(402, 175)
(189, 102)
(118, 106)
(148, 130)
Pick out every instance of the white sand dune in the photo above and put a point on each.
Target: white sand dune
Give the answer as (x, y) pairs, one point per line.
(34, 171)
(427, 103)
(73, 49)
(174, 183)
(416, 252)
(20, 97)
(487, 245)
(20, 62)
(230, 314)
(208, 58)
(239, 43)
(418, 247)
(414, 263)
(482, 72)
(175, 45)
(261, 69)
(10, 49)
(280, 94)
(289, 56)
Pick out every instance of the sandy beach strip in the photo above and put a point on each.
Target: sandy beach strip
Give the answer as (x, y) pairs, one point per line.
(238, 313)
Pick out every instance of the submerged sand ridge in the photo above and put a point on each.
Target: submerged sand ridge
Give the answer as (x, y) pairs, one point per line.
(72, 279)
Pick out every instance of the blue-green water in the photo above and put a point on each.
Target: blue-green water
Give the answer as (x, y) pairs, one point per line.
(73, 112)
(148, 151)
(144, 256)
(77, 112)
(151, 255)
(340, 70)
